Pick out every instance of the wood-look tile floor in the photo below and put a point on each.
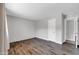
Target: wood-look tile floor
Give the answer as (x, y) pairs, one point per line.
(37, 46)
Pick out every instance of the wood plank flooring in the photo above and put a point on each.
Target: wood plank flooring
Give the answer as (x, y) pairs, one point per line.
(36, 46)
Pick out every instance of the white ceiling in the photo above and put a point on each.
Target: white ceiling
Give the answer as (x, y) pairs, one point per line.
(39, 11)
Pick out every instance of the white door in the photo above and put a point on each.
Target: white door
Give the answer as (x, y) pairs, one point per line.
(52, 30)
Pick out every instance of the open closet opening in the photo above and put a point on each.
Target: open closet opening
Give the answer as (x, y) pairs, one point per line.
(71, 30)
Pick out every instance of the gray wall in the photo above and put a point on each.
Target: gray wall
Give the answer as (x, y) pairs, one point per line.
(59, 28)
(42, 29)
(20, 29)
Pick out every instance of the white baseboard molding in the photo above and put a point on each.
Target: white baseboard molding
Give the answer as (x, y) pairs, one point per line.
(40, 38)
(49, 40)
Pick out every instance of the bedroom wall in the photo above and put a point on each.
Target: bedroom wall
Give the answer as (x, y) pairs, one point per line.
(44, 29)
(57, 24)
(59, 29)
(20, 29)
(41, 29)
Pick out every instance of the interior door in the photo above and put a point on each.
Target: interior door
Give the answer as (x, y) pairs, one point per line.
(52, 30)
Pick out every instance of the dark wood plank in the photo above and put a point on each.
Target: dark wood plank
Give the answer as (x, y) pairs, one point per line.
(36, 46)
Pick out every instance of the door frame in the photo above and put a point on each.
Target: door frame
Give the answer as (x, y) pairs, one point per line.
(75, 19)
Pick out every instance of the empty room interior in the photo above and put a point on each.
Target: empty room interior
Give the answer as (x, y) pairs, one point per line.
(39, 28)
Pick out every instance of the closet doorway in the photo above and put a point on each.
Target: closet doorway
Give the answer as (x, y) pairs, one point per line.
(71, 30)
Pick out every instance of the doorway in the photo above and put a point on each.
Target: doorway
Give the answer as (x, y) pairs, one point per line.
(71, 30)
